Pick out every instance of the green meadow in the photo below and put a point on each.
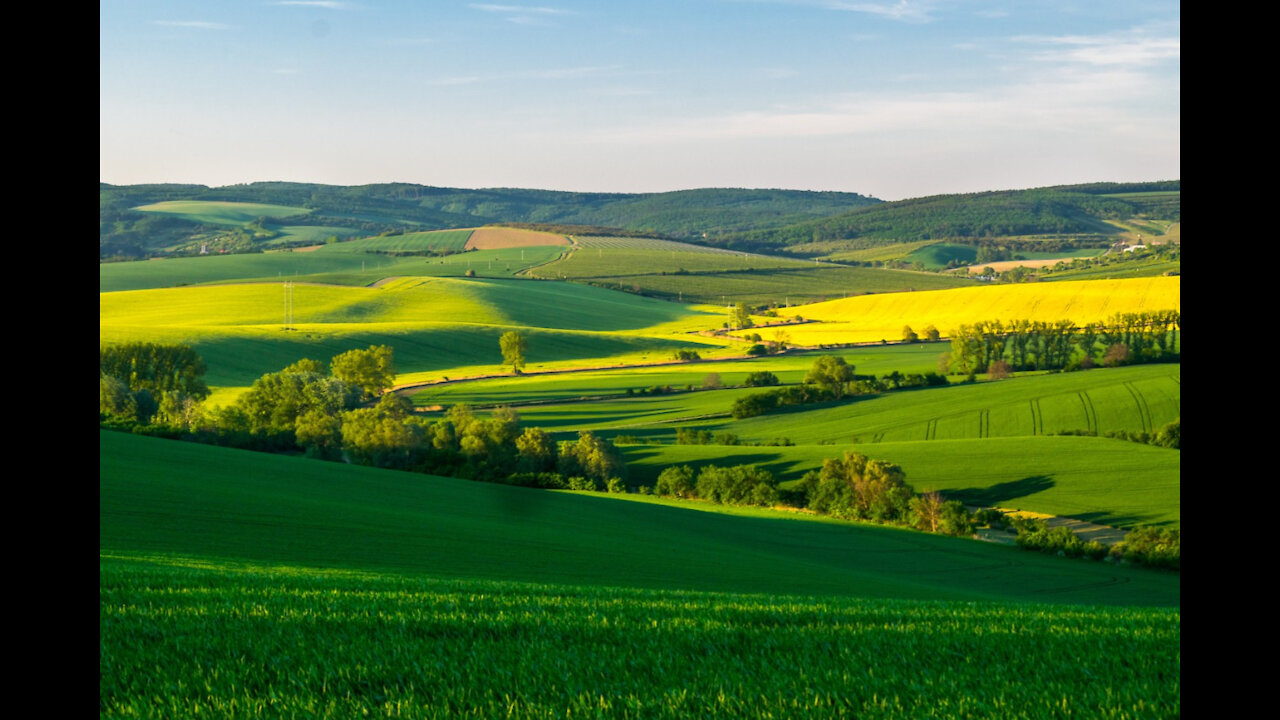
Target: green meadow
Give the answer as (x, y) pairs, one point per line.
(187, 499)
(452, 240)
(221, 213)
(1111, 482)
(677, 271)
(435, 324)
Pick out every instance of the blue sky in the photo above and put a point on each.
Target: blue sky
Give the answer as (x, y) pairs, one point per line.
(891, 99)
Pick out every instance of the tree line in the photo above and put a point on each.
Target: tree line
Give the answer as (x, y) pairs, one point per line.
(1035, 345)
(329, 412)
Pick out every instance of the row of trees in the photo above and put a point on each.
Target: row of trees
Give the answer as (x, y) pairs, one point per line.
(830, 378)
(1036, 345)
(851, 487)
(324, 411)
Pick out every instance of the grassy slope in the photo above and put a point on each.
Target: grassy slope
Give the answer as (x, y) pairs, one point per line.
(160, 496)
(216, 639)
(1112, 482)
(434, 324)
(221, 213)
(790, 368)
(330, 264)
(454, 240)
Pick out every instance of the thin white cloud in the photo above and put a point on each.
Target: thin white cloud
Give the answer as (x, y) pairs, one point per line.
(1073, 102)
(522, 15)
(198, 24)
(521, 9)
(1134, 48)
(330, 4)
(901, 10)
(549, 74)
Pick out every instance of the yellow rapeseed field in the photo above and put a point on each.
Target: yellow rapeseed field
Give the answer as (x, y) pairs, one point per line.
(869, 318)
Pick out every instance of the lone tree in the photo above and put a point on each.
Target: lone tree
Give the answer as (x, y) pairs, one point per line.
(742, 316)
(832, 373)
(513, 346)
(909, 335)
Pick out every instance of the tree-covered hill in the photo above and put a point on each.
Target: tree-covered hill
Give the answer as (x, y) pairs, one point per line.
(372, 209)
(1058, 211)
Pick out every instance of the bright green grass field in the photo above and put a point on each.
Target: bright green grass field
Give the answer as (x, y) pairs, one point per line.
(408, 242)
(310, 233)
(267, 586)
(937, 256)
(184, 638)
(221, 213)
(1106, 481)
(433, 324)
(782, 285)
(326, 265)
(160, 496)
(790, 368)
(599, 257)
(1135, 398)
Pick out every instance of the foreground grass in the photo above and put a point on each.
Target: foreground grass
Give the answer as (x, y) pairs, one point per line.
(182, 638)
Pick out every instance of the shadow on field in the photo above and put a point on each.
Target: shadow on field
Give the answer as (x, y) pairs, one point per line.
(1003, 492)
(511, 502)
(1116, 519)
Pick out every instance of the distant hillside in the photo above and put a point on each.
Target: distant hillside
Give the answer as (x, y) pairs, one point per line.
(372, 209)
(1080, 210)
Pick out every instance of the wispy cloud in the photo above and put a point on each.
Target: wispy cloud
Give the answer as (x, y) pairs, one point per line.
(901, 10)
(1134, 48)
(521, 9)
(330, 4)
(199, 24)
(548, 74)
(1079, 103)
(523, 15)
(410, 41)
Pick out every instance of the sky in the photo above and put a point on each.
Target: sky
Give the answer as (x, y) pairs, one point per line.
(892, 99)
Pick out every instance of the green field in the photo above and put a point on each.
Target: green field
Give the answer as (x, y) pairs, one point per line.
(161, 496)
(1111, 482)
(435, 324)
(221, 213)
(330, 264)
(453, 240)
(316, 643)
(314, 234)
(790, 368)
(938, 256)
(1136, 398)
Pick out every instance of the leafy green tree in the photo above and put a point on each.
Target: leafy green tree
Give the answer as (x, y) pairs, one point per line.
(536, 451)
(369, 371)
(675, 481)
(513, 345)
(909, 335)
(831, 373)
(742, 316)
(319, 433)
(931, 333)
(762, 378)
(115, 400)
(591, 457)
(155, 367)
(277, 400)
